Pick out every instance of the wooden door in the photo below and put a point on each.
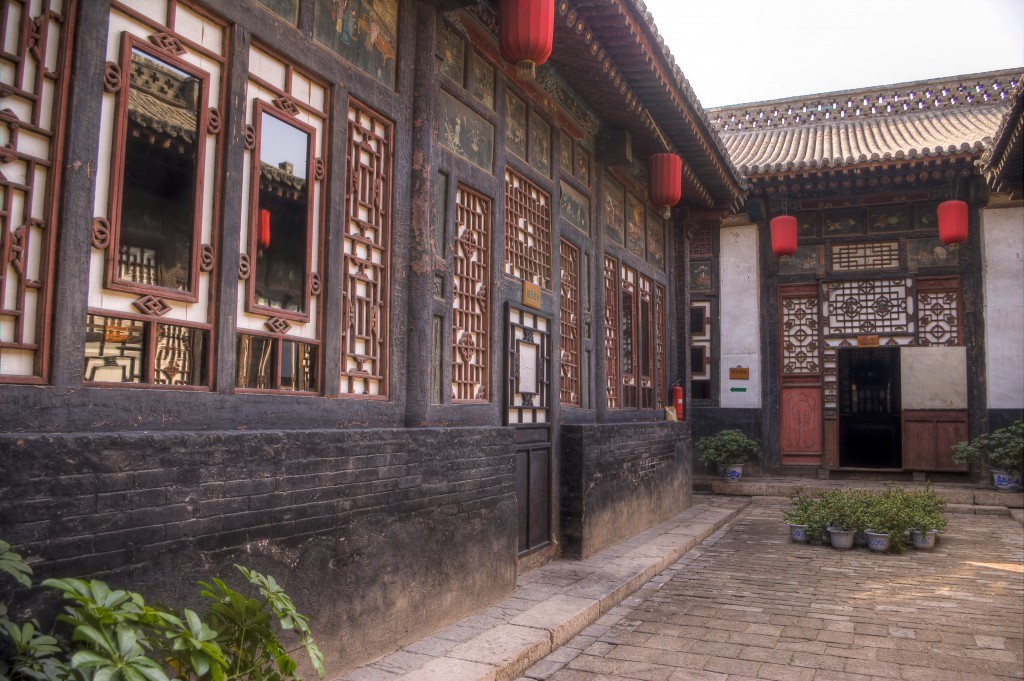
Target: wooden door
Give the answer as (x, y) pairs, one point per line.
(527, 407)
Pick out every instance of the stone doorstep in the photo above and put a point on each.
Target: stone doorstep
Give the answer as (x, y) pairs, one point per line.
(504, 652)
(955, 495)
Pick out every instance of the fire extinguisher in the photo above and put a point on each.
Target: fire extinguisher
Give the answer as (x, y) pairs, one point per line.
(679, 401)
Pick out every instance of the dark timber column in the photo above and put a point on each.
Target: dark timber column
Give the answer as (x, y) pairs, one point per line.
(70, 300)
(231, 217)
(421, 255)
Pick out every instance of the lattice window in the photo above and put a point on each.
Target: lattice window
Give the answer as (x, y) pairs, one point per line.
(611, 330)
(800, 343)
(569, 325)
(34, 54)
(528, 353)
(366, 246)
(878, 306)
(627, 329)
(700, 241)
(645, 342)
(527, 230)
(471, 319)
(659, 345)
(938, 312)
(879, 255)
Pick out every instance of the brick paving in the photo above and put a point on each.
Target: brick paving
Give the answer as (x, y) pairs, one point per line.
(749, 604)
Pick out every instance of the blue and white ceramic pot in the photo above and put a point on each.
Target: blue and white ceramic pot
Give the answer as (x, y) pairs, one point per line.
(877, 541)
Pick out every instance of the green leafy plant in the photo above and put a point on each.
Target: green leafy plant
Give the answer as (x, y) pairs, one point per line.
(728, 446)
(891, 512)
(116, 636)
(801, 509)
(1002, 448)
(927, 509)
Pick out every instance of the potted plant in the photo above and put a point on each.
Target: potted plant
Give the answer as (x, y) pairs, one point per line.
(800, 513)
(729, 450)
(888, 519)
(840, 514)
(927, 518)
(1001, 450)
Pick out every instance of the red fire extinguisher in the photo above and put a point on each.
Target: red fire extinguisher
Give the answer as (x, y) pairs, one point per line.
(679, 401)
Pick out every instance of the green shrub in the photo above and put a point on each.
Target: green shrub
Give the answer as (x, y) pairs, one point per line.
(1002, 448)
(728, 446)
(926, 509)
(116, 636)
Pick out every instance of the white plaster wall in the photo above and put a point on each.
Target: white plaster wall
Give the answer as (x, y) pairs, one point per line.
(740, 316)
(933, 378)
(1002, 243)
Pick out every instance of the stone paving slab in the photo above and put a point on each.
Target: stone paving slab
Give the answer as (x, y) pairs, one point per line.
(749, 604)
(554, 604)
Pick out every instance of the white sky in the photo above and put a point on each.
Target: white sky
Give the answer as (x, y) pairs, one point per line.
(738, 51)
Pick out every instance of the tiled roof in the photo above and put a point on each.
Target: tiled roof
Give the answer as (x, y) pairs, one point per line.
(1005, 160)
(926, 119)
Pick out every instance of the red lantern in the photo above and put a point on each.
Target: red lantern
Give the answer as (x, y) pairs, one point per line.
(784, 235)
(527, 31)
(666, 182)
(952, 222)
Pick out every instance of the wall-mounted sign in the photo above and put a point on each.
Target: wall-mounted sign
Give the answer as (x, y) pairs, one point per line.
(739, 373)
(867, 341)
(531, 295)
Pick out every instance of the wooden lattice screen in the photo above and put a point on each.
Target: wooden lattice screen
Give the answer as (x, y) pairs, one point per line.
(527, 230)
(471, 319)
(569, 290)
(365, 303)
(611, 331)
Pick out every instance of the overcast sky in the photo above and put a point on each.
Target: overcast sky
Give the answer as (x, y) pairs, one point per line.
(741, 51)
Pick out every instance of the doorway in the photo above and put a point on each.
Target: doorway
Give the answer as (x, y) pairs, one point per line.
(869, 408)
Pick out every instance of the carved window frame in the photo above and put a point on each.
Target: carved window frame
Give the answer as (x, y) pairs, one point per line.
(112, 279)
(196, 41)
(571, 384)
(261, 107)
(471, 298)
(611, 332)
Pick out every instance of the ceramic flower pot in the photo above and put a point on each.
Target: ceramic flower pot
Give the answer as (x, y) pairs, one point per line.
(798, 533)
(732, 472)
(841, 539)
(877, 541)
(923, 539)
(1005, 481)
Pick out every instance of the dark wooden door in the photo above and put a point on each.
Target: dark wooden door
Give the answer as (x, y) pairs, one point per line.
(527, 399)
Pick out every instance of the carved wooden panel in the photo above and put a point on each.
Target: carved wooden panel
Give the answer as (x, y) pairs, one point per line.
(366, 248)
(700, 241)
(876, 306)
(569, 324)
(938, 312)
(471, 317)
(800, 341)
(34, 52)
(527, 230)
(800, 421)
(528, 385)
(876, 255)
(611, 331)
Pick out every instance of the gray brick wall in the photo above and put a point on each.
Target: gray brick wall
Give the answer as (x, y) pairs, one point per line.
(369, 529)
(620, 479)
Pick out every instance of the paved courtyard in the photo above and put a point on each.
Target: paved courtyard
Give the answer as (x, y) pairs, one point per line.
(749, 604)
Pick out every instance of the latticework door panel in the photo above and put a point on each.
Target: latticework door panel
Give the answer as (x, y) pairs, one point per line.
(366, 254)
(470, 299)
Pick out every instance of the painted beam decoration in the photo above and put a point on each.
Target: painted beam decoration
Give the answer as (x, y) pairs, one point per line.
(363, 32)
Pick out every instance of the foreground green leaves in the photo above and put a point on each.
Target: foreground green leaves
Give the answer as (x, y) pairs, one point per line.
(116, 636)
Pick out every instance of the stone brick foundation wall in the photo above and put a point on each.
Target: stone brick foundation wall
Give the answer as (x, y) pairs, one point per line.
(619, 480)
(380, 535)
